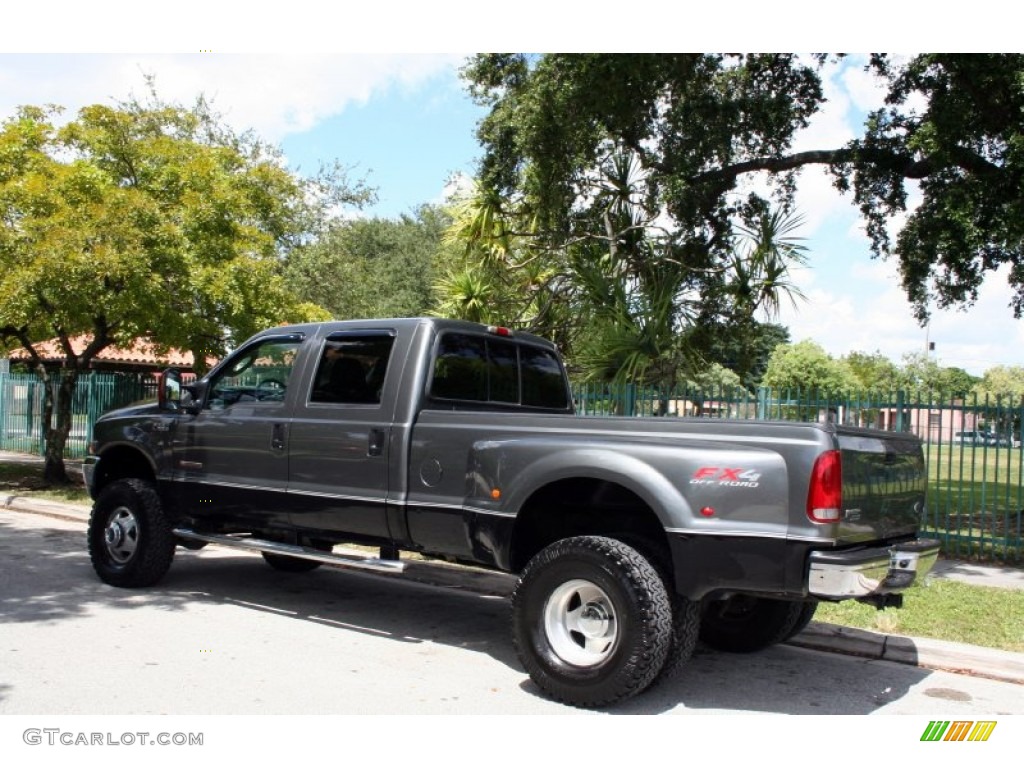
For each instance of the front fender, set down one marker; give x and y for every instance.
(130, 447)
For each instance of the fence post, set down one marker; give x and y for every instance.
(3, 408)
(763, 395)
(30, 387)
(900, 402)
(91, 408)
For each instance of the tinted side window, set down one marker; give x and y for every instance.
(258, 374)
(352, 368)
(503, 366)
(485, 370)
(543, 383)
(460, 370)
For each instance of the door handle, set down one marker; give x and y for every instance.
(277, 438)
(376, 445)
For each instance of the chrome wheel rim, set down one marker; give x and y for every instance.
(581, 624)
(121, 535)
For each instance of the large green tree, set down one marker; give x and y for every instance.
(806, 367)
(373, 267)
(1002, 382)
(635, 168)
(875, 372)
(952, 125)
(146, 220)
(587, 157)
(922, 373)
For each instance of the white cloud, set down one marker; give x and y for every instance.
(869, 312)
(865, 90)
(832, 127)
(276, 95)
(457, 185)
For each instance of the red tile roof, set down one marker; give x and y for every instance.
(142, 352)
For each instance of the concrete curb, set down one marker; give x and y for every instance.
(913, 651)
(56, 509)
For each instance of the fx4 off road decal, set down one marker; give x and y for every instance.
(731, 477)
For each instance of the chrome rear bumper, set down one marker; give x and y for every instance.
(870, 571)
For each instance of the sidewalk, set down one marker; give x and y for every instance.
(919, 652)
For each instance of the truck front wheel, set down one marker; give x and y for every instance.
(744, 623)
(130, 539)
(592, 623)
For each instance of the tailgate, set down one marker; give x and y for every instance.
(884, 480)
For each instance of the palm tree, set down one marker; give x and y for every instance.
(759, 278)
(760, 270)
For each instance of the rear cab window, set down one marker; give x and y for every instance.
(478, 370)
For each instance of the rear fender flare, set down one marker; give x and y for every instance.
(531, 469)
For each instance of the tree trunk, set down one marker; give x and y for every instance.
(57, 430)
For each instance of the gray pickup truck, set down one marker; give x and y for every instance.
(632, 538)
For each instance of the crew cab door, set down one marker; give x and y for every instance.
(340, 439)
(232, 456)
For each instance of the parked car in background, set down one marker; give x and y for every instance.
(978, 437)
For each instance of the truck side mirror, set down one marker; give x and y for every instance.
(169, 390)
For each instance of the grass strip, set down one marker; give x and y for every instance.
(27, 480)
(944, 609)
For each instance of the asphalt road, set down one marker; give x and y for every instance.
(226, 634)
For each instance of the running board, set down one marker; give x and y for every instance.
(294, 550)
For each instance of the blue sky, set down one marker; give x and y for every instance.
(405, 141)
(404, 122)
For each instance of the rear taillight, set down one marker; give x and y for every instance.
(825, 496)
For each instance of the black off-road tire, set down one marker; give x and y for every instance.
(744, 623)
(808, 607)
(685, 633)
(592, 622)
(131, 543)
(685, 612)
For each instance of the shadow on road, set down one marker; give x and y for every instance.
(46, 577)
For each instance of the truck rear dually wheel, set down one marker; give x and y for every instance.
(744, 623)
(592, 623)
(130, 539)
(807, 611)
(685, 630)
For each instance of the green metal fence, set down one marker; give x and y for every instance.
(21, 407)
(972, 445)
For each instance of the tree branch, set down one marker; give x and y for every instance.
(100, 341)
(21, 334)
(906, 166)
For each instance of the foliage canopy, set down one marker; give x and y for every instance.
(629, 178)
(145, 220)
(372, 267)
